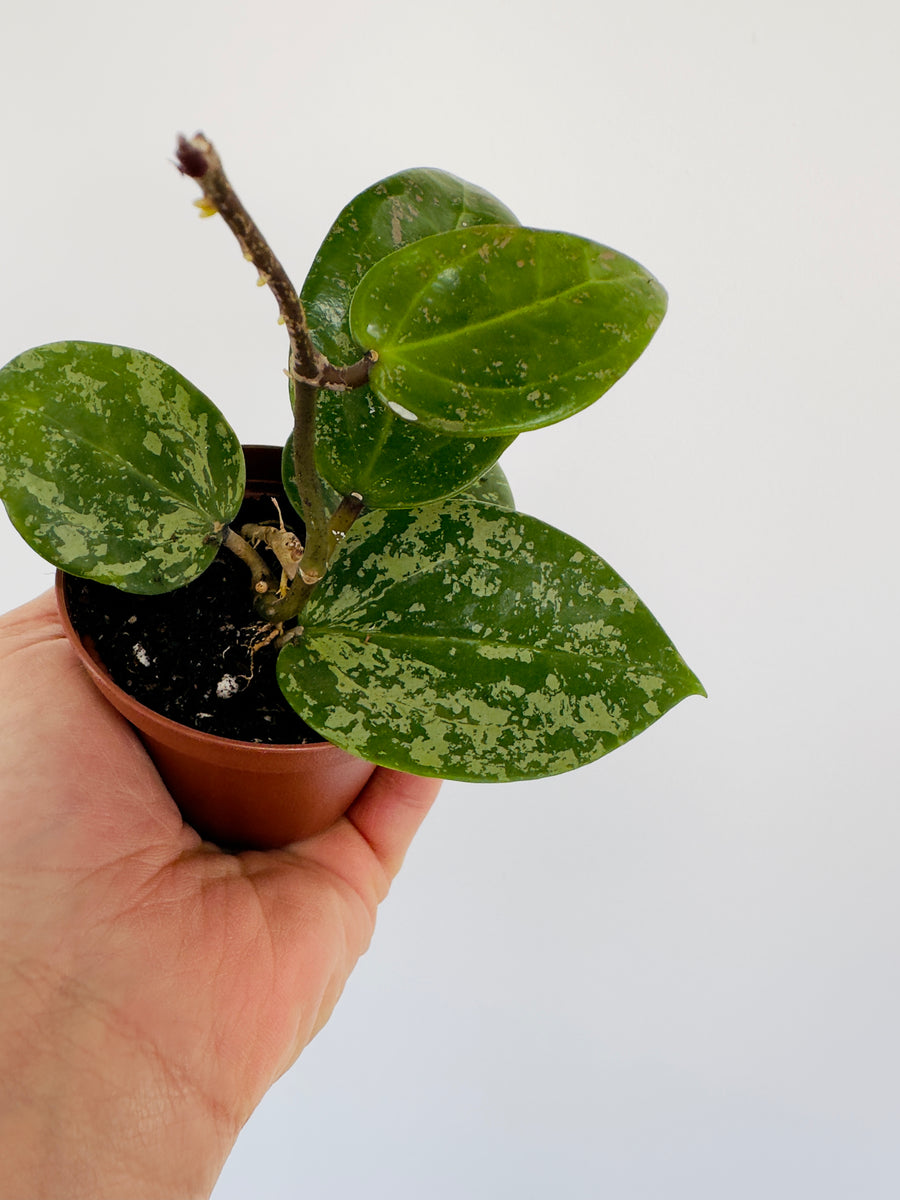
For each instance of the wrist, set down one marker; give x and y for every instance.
(52, 1153)
(87, 1115)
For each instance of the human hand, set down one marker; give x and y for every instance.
(152, 987)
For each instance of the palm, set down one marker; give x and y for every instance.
(200, 975)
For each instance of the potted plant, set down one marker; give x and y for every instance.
(409, 614)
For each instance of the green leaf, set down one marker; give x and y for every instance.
(495, 330)
(113, 466)
(391, 214)
(361, 446)
(465, 641)
(492, 488)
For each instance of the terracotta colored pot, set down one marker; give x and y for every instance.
(238, 794)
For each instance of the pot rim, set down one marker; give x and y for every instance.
(260, 462)
(162, 726)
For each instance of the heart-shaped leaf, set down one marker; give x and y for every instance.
(494, 330)
(465, 641)
(361, 446)
(113, 466)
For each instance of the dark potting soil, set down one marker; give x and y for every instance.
(189, 654)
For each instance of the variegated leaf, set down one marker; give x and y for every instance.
(113, 466)
(465, 641)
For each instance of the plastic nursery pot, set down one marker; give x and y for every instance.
(241, 795)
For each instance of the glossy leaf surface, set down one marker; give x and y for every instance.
(465, 641)
(362, 446)
(499, 329)
(113, 466)
(492, 488)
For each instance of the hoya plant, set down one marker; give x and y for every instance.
(423, 623)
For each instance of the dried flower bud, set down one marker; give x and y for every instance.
(191, 159)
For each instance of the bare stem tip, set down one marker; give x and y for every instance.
(190, 155)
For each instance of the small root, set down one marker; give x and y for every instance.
(274, 632)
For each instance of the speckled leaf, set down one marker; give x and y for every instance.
(492, 488)
(361, 445)
(397, 211)
(499, 329)
(465, 641)
(113, 466)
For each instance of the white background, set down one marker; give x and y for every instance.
(674, 973)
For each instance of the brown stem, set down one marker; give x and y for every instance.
(315, 558)
(277, 611)
(284, 544)
(309, 370)
(342, 379)
(263, 580)
(199, 159)
(342, 519)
